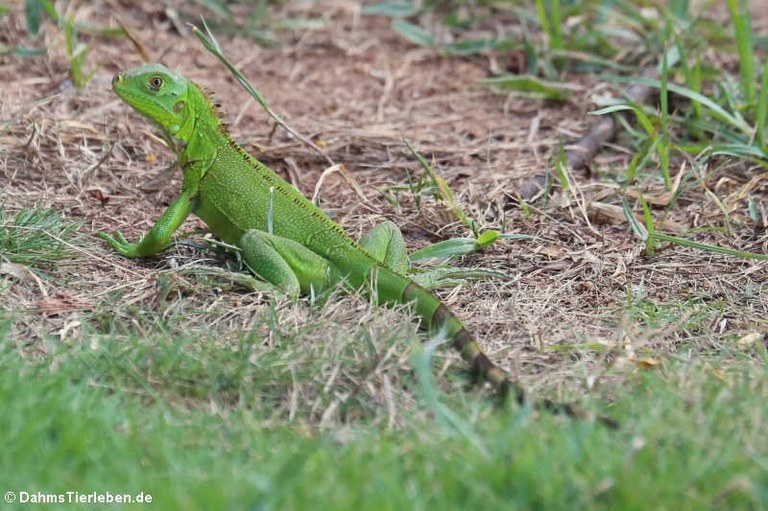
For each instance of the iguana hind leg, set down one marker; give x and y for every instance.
(289, 265)
(385, 242)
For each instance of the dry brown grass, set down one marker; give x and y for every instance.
(357, 89)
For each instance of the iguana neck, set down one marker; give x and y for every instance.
(202, 131)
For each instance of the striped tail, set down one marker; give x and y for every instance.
(393, 287)
(437, 317)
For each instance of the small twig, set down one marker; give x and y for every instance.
(580, 153)
(90, 170)
(341, 169)
(143, 53)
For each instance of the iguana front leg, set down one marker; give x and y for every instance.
(159, 236)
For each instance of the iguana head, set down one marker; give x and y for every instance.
(158, 93)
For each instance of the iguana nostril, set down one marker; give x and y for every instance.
(117, 78)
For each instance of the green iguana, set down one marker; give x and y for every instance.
(283, 237)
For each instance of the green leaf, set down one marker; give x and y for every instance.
(531, 86)
(393, 9)
(24, 52)
(33, 11)
(445, 249)
(413, 33)
(487, 238)
(470, 46)
(716, 110)
(642, 118)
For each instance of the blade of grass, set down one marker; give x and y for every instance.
(448, 419)
(637, 227)
(640, 159)
(561, 171)
(551, 22)
(762, 110)
(716, 110)
(642, 117)
(391, 9)
(740, 151)
(644, 235)
(709, 248)
(664, 142)
(693, 81)
(556, 39)
(530, 86)
(413, 33)
(33, 13)
(650, 227)
(210, 44)
(446, 195)
(744, 43)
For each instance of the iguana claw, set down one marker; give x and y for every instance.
(120, 244)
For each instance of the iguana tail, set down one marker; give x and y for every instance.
(437, 317)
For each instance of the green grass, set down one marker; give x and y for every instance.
(35, 237)
(111, 418)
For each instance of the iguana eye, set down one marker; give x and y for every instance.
(155, 83)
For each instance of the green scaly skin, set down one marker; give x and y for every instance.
(304, 250)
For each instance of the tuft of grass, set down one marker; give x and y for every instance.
(550, 20)
(35, 237)
(276, 360)
(78, 54)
